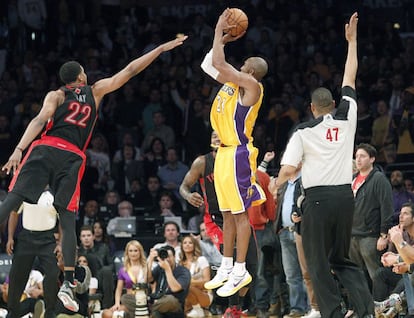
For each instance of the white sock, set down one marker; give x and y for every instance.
(227, 263)
(197, 306)
(239, 268)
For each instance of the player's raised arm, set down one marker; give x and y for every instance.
(110, 84)
(351, 64)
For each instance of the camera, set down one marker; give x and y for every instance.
(162, 254)
(140, 286)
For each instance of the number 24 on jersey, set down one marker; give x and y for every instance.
(332, 134)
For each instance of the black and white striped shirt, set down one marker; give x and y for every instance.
(325, 145)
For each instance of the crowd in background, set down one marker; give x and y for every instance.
(159, 122)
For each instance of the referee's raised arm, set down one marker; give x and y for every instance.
(351, 64)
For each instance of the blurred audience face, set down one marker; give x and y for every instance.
(112, 198)
(166, 202)
(87, 238)
(396, 179)
(91, 208)
(187, 245)
(171, 233)
(408, 185)
(203, 232)
(98, 230)
(125, 209)
(406, 217)
(153, 184)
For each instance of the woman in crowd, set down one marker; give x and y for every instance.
(198, 297)
(132, 277)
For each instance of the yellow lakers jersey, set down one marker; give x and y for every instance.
(232, 121)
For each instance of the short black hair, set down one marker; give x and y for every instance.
(69, 71)
(169, 247)
(322, 97)
(409, 205)
(173, 223)
(370, 149)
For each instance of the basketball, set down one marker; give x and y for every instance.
(240, 21)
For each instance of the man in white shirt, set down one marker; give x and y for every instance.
(36, 239)
(325, 147)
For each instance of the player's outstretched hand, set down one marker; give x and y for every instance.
(351, 28)
(179, 40)
(14, 161)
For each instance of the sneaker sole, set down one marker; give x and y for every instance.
(235, 289)
(68, 302)
(210, 285)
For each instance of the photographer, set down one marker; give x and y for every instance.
(172, 282)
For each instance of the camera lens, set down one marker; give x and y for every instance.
(162, 253)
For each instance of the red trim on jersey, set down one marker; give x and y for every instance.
(16, 173)
(61, 144)
(73, 204)
(212, 229)
(90, 134)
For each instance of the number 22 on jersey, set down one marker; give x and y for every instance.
(79, 114)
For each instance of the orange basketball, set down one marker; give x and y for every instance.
(240, 21)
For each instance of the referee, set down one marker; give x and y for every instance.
(36, 239)
(325, 147)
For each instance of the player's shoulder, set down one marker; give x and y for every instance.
(199, 163)
(57, 95)
(309, 124)
(349, 92)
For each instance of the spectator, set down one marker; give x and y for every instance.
(125, 210)
(93, 284)
(101, 263)
(373, 211)
(195, 221)
(262, 218)
(208, 249)
(127, 139)
(132, 277)
(153, 105)
(288, 195)
(154, 157)
(382, 135)
(89, 215)
(126, 170)
(136, 196)
(191, 258)
(165, 205)
(31, 295)
(408, 184)
(159, 130)
(171, 232)
(101, 237)
(399, 194)
(388, 279)
(364, 123)
(83, 277)
(151, 194)
(128, 111)
(172, 282)
(109, 208)
(98, 155)
(405, 126)
(172, 173)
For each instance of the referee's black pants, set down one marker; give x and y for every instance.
(30, 244)
(326, 234)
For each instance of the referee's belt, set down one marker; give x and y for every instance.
(288, 228)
